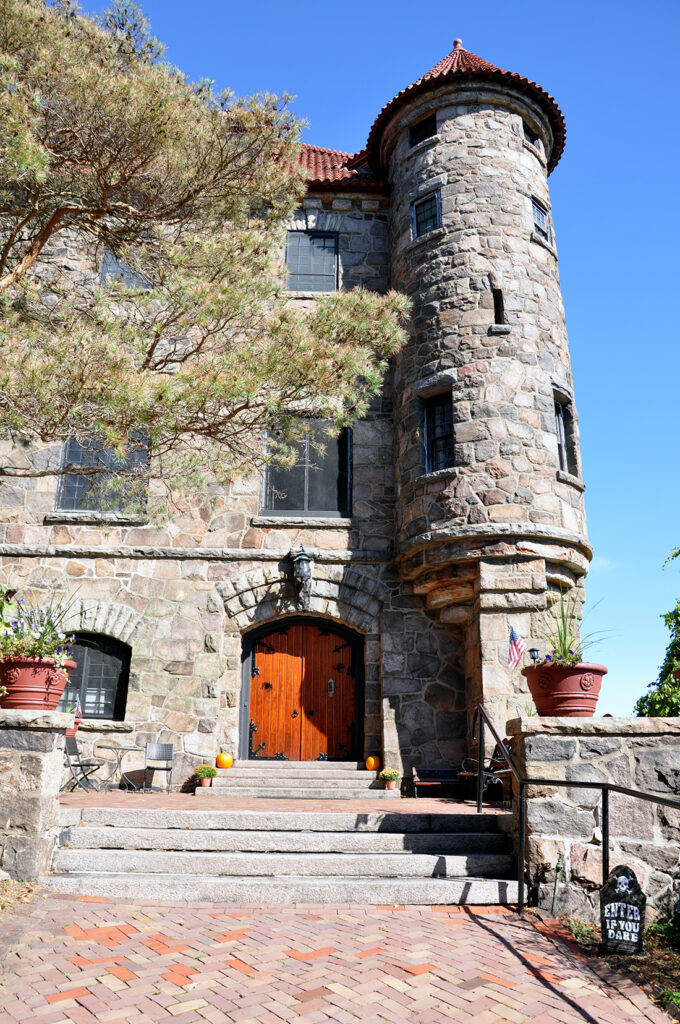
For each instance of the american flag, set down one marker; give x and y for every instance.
(79, 710)
(516, 648)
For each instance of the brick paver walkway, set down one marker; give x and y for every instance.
(94, 961)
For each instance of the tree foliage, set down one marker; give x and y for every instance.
(663, 698)
(103, 146)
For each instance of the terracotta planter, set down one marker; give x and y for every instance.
(391, 783)
(33, 683)
(565, 691)
(74, 730)
(205, 782)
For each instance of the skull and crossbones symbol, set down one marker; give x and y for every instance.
(623, 884)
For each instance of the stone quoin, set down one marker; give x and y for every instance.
(461, 508)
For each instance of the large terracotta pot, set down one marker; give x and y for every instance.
(33, 683)
(567, 691)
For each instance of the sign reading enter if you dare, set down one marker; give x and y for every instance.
(622, 912)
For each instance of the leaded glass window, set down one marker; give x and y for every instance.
(312, 261)
(541, 220)
(426, 215)
(106, 488)
(100, 678)
(318, 484)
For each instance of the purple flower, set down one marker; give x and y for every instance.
(548, 658)
(571, 652)
(59, 650)
(15, 624)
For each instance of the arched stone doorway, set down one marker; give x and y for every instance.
(302, 697)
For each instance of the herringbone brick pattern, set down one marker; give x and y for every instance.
(94, 961)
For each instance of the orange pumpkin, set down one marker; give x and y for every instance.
(224, 761)
(373, 764)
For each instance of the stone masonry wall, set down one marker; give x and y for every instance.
(31, 769)
(638, 753)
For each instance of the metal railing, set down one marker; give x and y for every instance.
(482, 720)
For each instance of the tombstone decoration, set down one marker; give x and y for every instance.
(622, 912)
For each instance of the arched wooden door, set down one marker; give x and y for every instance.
(305, 681)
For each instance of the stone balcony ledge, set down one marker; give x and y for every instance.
(537, 726)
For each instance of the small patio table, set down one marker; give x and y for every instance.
(120, 753)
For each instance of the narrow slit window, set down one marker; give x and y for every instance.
(532, 137)
(566, 443)
(498, 306)
(541, 219)
(424, 129)
(438, 432)
(426, 215)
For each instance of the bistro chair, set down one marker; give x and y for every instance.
(157, 753)
(80, 771)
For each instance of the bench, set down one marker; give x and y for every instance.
(434, 777)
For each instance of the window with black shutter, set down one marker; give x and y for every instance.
(100, 678)
(438, 432)
(318, 484)
(312, 261)
(107, 489)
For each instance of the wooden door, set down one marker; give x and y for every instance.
(303, 694)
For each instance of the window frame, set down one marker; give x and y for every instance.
(530, 136)
(414, 136)
(429, 405)
(540, 214)
(414, 214)
(567, 457)
(117, 510)
(336, 261)
(344, 511)
(114, 648)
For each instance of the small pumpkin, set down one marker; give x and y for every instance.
(373, 763)
(224, 760)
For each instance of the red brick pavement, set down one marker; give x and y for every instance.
(81, 961)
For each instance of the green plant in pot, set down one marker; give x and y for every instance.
(562, 683)
(35, 654)
(205, 773)
(390, 777)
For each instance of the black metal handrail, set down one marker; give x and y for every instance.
(479, 721)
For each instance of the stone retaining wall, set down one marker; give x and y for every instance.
(31, 771)
(638, 753)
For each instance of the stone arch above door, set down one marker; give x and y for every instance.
(345, 594)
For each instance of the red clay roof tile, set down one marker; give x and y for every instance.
(329, 167)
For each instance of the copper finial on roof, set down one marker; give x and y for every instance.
(458, 44)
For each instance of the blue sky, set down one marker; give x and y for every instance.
(610, 66)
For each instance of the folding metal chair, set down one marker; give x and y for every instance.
(80, 771)
(158, 752)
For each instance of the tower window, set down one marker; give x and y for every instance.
(532, 137)
(312, 261)
(100, 678)
(318, 484)
(566, 443)
(498, 306)
(426, 215)
(424, 129)
(438, 432)
(541, 219)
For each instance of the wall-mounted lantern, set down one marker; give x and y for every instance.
(303, 571)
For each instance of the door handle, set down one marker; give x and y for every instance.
(330, 685)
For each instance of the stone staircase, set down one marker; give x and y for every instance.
(283, 857)
(321, 780)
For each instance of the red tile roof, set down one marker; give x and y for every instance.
(457, 64)
(329, 168)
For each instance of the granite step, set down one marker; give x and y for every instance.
(284, 889)
(84, 837)
(292, 791)
(348, 865)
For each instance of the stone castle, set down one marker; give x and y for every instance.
(452, 512)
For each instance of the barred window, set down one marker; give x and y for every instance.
(312, 261)
(426, 215)
(100, 678)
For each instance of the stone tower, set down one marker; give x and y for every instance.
(486, 530)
